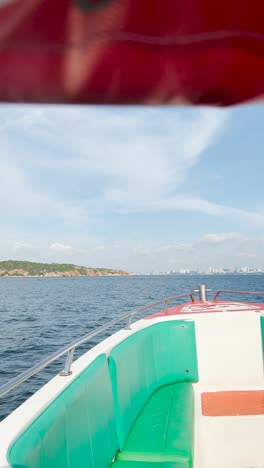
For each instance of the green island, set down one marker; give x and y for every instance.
(23, 268)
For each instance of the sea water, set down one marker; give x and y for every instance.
(40, 315)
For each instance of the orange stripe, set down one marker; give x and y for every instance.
(233, 403)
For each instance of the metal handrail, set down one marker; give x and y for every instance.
(69, 349)
(226, 291)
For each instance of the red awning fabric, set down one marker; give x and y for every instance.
(132, 51)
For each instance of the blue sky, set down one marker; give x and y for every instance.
(137, 188)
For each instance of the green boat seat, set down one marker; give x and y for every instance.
(163, 431)
(262, 331)
(77, 430)
(99, 413)
(133, 464)
(144, 369)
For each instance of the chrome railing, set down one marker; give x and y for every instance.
(69, 349)
(226, 291)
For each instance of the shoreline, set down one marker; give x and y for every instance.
(61, 276)
(186, 275)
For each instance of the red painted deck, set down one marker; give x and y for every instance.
(199, 307)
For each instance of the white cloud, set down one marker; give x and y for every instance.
(60, 247)
(189, 203)
(213, 249)
(218, 249)
(155, 166)
(131, 161)
(222, 237)
(62, 169)
(22, 245)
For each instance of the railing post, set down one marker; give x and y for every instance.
(128, 324)
(165, 306)
(202, 292)
(67, 367)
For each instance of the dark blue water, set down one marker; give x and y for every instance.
(40, 315)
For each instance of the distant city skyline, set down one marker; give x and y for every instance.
(132, 188)
(210, 271)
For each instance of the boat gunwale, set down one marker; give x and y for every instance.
(69, 349)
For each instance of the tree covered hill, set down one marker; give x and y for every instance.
(24, 268)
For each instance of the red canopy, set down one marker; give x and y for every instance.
(132, 51)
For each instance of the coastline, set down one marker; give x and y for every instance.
(64, 276)
(26, 269)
